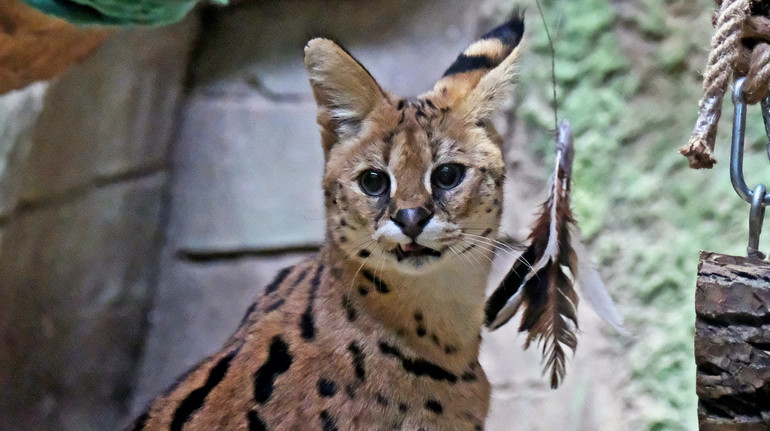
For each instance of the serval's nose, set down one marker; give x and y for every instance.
(412, 220)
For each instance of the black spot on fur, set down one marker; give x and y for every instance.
(401, 104)
(350, 311)
(418, 316)
(328, 422)
(450, 349)
(428, 101)
(358, 360)
(389, 137)
(434, 406)
(351, 391)
(478, 427)
(421, 331)
(255, 422)
(468, 376)
(489, 210)
(343, 222)
(435, 339)
(326, 388)
(278, 362)
(194, 400)
(376, 281)
(418, 367)
(364, 253)
(343, 238)
(276, 283)
(381, 399)
(402, 407)
(363, 290)
(307, 321)
(486, 232)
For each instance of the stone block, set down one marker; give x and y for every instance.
(406, 45)
(75, 289)
(198, 306)
(247, 176)
(112, 114)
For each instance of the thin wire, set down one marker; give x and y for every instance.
(553, 67)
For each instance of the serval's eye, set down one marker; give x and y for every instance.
(448, 176)
(373, 183)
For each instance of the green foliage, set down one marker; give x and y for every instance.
(628, 78)
(118, 12)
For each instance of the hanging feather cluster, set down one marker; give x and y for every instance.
(542, 279)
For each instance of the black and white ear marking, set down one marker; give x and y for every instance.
(491, 49)
(482, 76)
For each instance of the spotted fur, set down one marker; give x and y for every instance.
(381, 330)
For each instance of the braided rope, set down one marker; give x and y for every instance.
(732, 14)
(757, 79)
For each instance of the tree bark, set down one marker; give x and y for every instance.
(732, 343)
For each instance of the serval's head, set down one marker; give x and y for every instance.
(414, 184)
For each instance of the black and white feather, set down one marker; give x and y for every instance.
(542, 279)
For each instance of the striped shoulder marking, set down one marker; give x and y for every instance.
(282, 300)
(276, 283)
(195, 399)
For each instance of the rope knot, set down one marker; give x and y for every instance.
(740, 45)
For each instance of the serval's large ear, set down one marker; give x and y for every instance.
(344, 90)
(482, 76)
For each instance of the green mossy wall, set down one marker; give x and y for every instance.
(628, 78)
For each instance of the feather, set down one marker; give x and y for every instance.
(592, 287)
(541, 281)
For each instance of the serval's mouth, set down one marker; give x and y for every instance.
(414, 250)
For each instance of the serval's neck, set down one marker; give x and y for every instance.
(439, 314)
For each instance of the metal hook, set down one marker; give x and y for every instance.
(758, 198)
(756, 217)
(736, 151)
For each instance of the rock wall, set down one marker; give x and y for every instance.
(149, 194)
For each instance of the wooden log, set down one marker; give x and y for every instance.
(732, 343)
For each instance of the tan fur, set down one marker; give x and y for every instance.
(355, 339)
